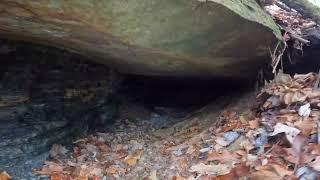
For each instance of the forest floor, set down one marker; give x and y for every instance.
(272, 136)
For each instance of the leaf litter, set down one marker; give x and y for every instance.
(277, 140)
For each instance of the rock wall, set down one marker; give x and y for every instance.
(48, 96)
(150, 37)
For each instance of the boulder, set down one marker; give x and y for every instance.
(149, 37)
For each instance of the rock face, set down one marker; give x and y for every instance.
(149, 37)
(49, 97)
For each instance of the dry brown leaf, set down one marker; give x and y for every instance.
(240, 171)
(294, 97)
(247, 145)
(61, 177)
(302, 158)
(254, 124)
(223, 157)
(165, 150)
(273, 171)
(299, 143)
(82, 171)
(281, 170)
(178, 178)
(193, 151)
(265, 174)
(132, 160)
(189, 132)
(115, 170)
(183, 164)
(96, 171)
(203, 169)
(228, 114)
(5, 176)
(306, 126)
(51, 167)
(120, 154)
(231, 126)
(314, 149)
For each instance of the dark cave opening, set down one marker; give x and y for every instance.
(52, 96)
(178, 92)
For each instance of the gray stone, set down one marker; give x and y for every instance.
(150, 37)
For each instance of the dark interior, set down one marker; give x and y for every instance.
(53, 96)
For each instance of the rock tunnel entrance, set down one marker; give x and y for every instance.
(51, 96)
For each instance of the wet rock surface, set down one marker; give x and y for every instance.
(47, 97)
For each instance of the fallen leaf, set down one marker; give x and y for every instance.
(306, 126)
(314, 149)
(238, 172)
(228, 114)
(246, 145)
(96, 171)
(60, 176)
(295, 96)
(254, 124)
(299, 143)
(231, 126)
(220, 169)
(223, 157)
(5, 176)
(165, 150)
(183, 164)
(265, 174)
(290, 132)
(295, 158)
(50, 167)
(305, 110)
(115, 170)
(281, 170)
(273, 171)
(132, 160)
(178, 178)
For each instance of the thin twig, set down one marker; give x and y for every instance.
(293, 35)
(269, 150)
(276, 58)
(276, 48)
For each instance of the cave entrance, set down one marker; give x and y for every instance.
(50, 96)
